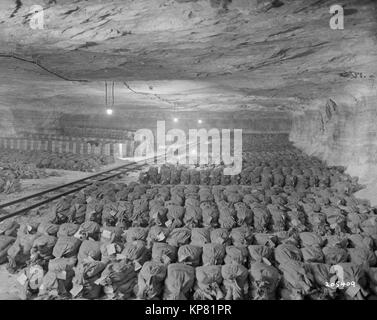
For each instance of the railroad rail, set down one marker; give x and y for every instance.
(43, 197)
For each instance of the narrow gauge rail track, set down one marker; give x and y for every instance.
(40, 198)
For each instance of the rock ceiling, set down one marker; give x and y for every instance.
(262, 56)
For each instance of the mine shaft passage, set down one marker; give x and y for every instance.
(200, 150)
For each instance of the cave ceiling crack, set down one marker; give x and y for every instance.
(173, 104)
(35, 62)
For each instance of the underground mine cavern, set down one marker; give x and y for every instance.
(188, 150)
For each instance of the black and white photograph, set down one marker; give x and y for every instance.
(186, 154)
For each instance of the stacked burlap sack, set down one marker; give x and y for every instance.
(263, 240)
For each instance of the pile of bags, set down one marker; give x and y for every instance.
(90, 261)
(288, 168)
(16, 164)
(29, 164)
(279, 235)
(71, 161)
(9, 183)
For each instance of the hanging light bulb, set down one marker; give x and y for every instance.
(109, 111)
(200, 121)
(175, 119)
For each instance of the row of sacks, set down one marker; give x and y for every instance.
(178, 281)
(11, 174)
(307, 245)
(257, 175)
(263, 176)
(37, 246)
(274, 209)
(28, 164)
(289, 157)
(119, 279)
(295, 165)
(22, 170)
(122, 278)
(38, 243)
(262, 281)
(71, 161)
(136, 191)
(18, 164)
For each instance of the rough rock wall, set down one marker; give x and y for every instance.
(15, 122)
(343, 131)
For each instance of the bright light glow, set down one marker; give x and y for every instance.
(175, 119)
(193, 151)
(109, 112)
(200, 121)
